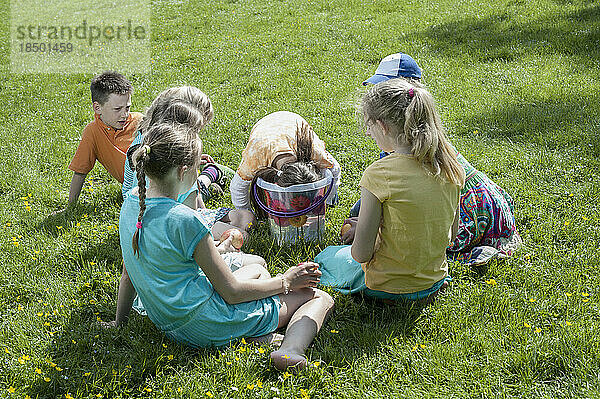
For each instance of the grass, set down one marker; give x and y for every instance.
(517, 86)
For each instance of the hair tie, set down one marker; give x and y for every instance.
(138, 225)
(411, 92)
(147, 148)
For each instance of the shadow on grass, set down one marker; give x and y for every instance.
(500, 38)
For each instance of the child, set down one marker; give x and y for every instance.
(189, 291)
(409, 209)
(188, 106)
(109, 135)
(272, 143)
(487, 226)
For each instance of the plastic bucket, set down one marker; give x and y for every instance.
(295, 212)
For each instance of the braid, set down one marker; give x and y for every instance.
(141, 175)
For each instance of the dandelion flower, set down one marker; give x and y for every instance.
(250, 387)
(209, 394)
(261, 350)
(164, 346)
(334, 331)
(527, 325)
(304, 394)
(538, 330)
(58, 368)
(68, 396)
(491, 281)
(532, 299)
(11, 389)
(568, 323)
(585, 294)
(99, 395)
(586, 299)
(59, 227)
(170, 357)
(87, 374)
(47, 379)
(38, 371)
(568, 294)
(285, 356)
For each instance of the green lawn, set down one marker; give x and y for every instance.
(517, 84)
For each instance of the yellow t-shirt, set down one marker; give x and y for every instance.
(273, 135)
(417, 214)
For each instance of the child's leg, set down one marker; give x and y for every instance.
(304, 312)
(251, 272)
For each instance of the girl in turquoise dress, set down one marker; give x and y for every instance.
(188, 290)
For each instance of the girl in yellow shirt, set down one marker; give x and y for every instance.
(409, 210)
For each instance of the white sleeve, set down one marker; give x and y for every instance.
(240, 192)
(336, 170)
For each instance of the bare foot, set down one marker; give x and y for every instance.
(293, 362)
(272, 339)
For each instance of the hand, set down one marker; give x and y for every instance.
(108, 324)
(306, 274)
(226, 245)
(205, 158)
(348, 236)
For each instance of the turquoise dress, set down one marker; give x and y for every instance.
(178, 297)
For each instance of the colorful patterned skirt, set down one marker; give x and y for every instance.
(487, 227)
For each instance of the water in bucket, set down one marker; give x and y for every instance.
(295, 212)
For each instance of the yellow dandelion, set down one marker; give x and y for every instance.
(285, 357)
(228, 363)
(475, 131)
(527, 325)
(20, 307)
(21, 360)
(317, 363)
(538, 330)
(11, 389)
(334, 331)
(259, 384)
(568, 323)
(87, 374)
(287, 375)
(304, 394)
(170, 357)
(585, 218)
(47, 379)
(6, 350)
(92, 263)
(243, 341)
(77, 224)
(99, 395)
(59, 227)
(148, 389)
(209, 394)
(164, 346)
(68, 396)
(422, 346)
(27, 397)
(568, 294)
(567, 222)
(250, 387)
(491, 281)
(414, 348)
(261, 350)
(585, 294)
(58, 368)
(242, 349)
(532, 299)
(38, 371)
(179, 389)
(586, 300)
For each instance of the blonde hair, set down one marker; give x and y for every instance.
(408, 110)
(184, 105)
(164, 147)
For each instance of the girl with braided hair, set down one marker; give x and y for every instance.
(186, 285)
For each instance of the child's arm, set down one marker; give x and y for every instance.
(454, 230)
(76, 185)
(235, 290)
(240, 192)
(125, 298)
(369, 219)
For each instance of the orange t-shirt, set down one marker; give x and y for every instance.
(105, 144)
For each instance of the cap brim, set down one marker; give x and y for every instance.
(376, 79)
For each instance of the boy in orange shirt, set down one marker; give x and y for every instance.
(109, 135)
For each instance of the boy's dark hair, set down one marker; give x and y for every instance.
(108, 83)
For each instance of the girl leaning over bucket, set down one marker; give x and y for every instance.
(189, 292)
(273, 145)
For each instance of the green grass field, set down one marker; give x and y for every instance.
(517, 84)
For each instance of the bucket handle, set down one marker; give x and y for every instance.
(301, 212)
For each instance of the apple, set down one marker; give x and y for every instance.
(238, 239)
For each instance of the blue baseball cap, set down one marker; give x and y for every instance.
(395, 66)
